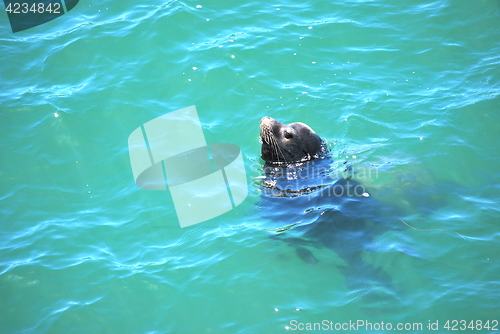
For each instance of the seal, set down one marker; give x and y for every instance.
(288, 143)
(318, 204)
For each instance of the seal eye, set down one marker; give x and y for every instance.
(288, 135)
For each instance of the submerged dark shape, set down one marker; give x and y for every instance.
(321, 208)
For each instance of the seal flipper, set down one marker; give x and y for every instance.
(306, 255)
(303, 253)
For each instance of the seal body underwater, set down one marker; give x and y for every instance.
(316, 207)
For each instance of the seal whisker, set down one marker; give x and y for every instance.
(277, 147)
(273, 143)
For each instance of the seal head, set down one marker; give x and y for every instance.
(288, 143)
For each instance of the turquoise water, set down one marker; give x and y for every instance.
(410, 90)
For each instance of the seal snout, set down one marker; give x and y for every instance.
(266, 125)
(267, 121)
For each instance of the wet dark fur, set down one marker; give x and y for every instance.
(284, 143)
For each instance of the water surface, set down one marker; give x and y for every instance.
(408, 89)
